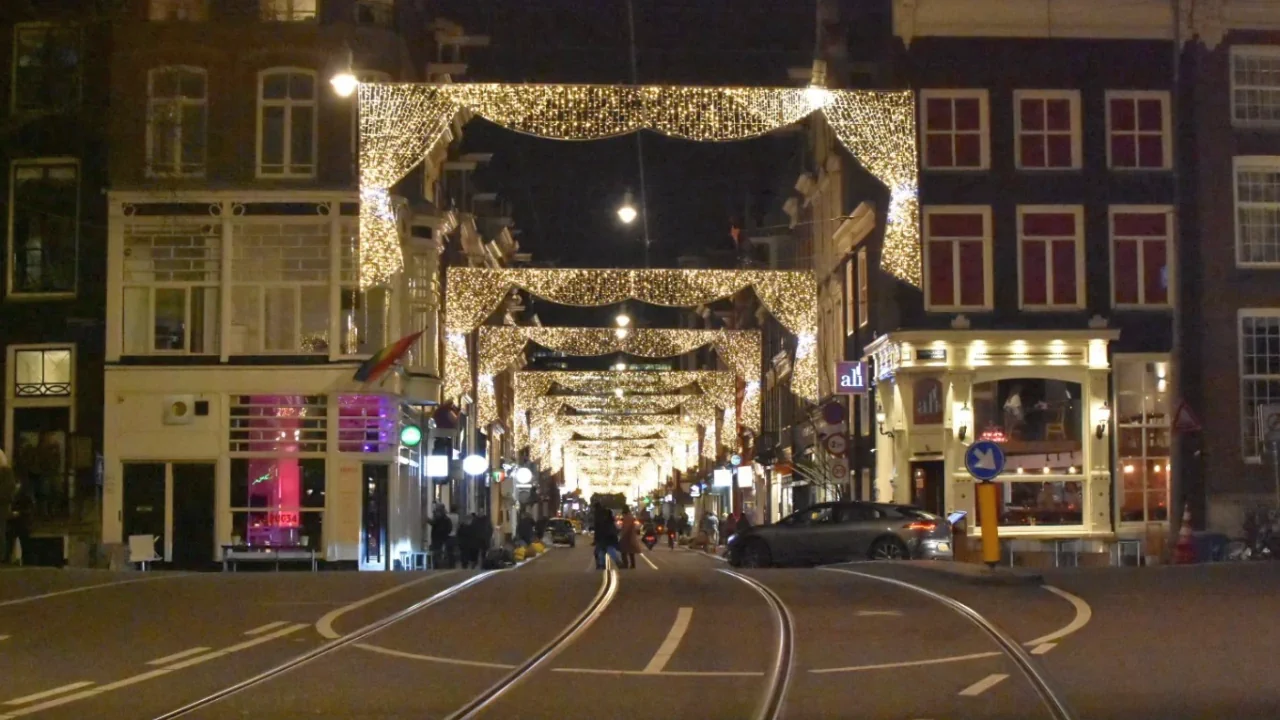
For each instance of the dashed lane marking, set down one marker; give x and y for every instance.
(984, 685)
(266, 628)
(151, 674)
(49, 693)
(86, 588)
(669, 646)
(1043, 648)
(178, 656)
(646, 559)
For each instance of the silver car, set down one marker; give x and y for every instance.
(843, 531)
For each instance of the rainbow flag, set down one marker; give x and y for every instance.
(378, 363)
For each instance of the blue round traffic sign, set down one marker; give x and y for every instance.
(984, 460)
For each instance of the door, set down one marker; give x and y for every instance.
(860, 525)
(809, 540)
(144, 501)
(927, 490)
(193, 513)
(373, 503)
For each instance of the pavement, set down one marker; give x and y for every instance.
(681, 635)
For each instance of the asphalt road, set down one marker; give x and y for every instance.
(679, 636)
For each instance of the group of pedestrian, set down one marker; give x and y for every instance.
(458, 541)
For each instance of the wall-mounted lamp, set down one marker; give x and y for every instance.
(880, 419)
(963, 420)
(1104, 418)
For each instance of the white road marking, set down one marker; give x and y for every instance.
(1083, 615)
(905, 664)
(664, 673)
(4, 637)
(86, 588)
(49, 693)
(1042, 649)
(646, 559)
(433, 658)
(879, 613)
(983, 685)
(177, 656)
(669, 646)
(152, 674)
(324, 625)
(265, 628)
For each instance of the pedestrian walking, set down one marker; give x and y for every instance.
(467, 540)
(441, 529)
(629, 541)
(451, 542)
(605, 534)
(8, 493)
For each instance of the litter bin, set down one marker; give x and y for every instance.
(1209, 546)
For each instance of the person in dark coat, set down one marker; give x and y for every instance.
(482, 534)
(441, 529)
(525, 528)
(605, 532)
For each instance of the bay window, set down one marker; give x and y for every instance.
(1051, 257)
(1141, 243)
(957, 257)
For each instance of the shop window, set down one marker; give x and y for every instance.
(1051, 257)
(1048, 129)
(1259, 374)
(955, 129)
(278, 501)
(1141, 240)
(1032, 502)
(1255, 86)
(1138, 134)
(46, 67)
(366, 424)
(288, 424)
(1039, 423)
(42, 373)
(1142, 421)
(957, 256)
(1258, 211)
(44, 227)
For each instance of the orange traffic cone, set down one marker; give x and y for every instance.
(1184, 553)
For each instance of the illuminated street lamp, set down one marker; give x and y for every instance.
(627, 211)
(345, 82)
(623, 319)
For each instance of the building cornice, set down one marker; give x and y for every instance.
(1208, 20)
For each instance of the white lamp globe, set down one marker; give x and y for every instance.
(474, 464)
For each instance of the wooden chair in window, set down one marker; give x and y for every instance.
(1056, 427)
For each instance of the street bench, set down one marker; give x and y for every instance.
(234, 554)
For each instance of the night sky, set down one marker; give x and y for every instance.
(564, 194)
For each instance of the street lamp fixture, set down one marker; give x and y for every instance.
(1104, 418)
(964, 418)
(627, 211)
(623, 320)
(881, 417)
(345, 82)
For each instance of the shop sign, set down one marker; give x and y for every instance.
(928, 402)
(851, 378)
(931, 354)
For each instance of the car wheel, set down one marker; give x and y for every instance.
(889, 549)
(756, 555)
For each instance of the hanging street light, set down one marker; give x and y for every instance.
(627, 211)
(345, 82)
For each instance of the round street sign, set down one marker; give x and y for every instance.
(833, 413)
(984, 460)
(836, 444)
(735, 460)
(839, 470)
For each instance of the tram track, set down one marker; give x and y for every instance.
(779, 675)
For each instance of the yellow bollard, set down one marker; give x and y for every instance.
(989, 521)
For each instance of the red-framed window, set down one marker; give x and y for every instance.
(1051, 257)
(1138, 130)
(1141, 251)
(957, 252)
(1047, 129)
(954, 126)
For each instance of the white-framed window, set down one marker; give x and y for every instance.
(288, 10)
(280, 299)
(178, 10)
(1259, 374)
(172, 274)
(1047, 129)
(864, 289)
(1141, 255)
(46, 67)
(42, 372)
(287, 123)
(957, 257)
(1257, 196)
(44, 227)
(1051, 257)
(1139, 130)
(1142, 418)
(375, 12)
(1255, 85)
(177, 121)
(954, 128)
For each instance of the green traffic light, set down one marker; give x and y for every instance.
(410, 436)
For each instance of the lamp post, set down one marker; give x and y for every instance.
(344, 81)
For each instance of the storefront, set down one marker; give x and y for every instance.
(298, 456)
(1045, 396)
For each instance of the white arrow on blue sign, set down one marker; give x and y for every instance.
(984, 460)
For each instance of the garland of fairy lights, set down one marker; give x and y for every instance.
(401, 123)
(475, 293)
